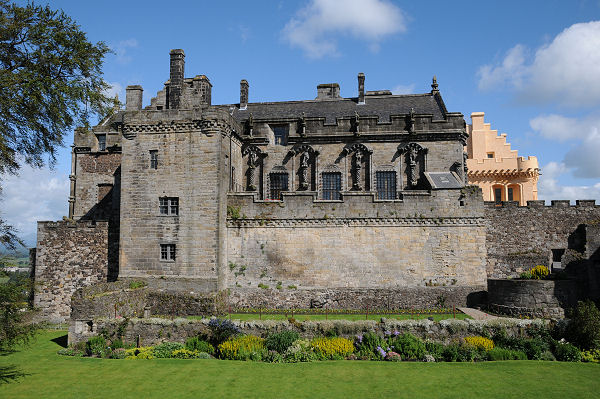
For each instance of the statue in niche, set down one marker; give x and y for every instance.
(411, 126)
(252, 164)
(413, 153)
(303, 125)
(356, 170)
(251, 125)
(356, 124)
(304, 158)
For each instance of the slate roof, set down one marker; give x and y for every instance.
(381, 106)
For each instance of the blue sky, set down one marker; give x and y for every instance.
(531, 66)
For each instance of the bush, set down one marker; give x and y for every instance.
(480, 343)
(300, 351)
(539, 272)
(496, 354)
(241, 348)
(118, 353)
(332, 348)
(451, 353)
(591, 356)
(533, 347)
(164, 350)
(221, 330)
(197, 344)
(547, 356)
(584, 327)
(143, 352)
(409, 347)
(272, 357)
(280, 342)
(96, 346)
(434, 349)
(71, 351)
(567, 353)
(461, 353)
(367, 344)
(184, 353)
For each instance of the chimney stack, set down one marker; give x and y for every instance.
(361, 88)
(133, 98)
(176, 77)
(243, 94)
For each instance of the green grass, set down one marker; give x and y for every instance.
(54, 376)
(352, 317)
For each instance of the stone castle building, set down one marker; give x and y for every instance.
(337, 201)
(500, 172)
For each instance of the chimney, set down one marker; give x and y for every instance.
(133, 98)
(361, 88)
(243, 94)
(176, 77)
(328, 91)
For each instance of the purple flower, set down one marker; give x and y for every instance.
(396, 333)
(387, 333)
(381, 351)
(359, 338)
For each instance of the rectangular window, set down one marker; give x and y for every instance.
(332, 185)
(168, 206)
(153, 159)
(101, 142)
(498, 195)
(510, 194)
(167, 251)
(279, 183)
(281, 135)
(386, 185)
(490, 155)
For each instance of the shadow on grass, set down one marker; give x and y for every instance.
(9, 374)
(61, 341)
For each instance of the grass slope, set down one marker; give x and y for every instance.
(54, 376)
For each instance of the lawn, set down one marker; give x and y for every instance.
(352, 317)
(54, 376)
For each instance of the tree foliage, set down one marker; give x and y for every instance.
(50, 81)
(15, 313)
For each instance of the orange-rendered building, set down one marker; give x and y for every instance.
(496, 168)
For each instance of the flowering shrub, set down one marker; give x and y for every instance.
(591, 356)
(331, 348)
(367, 344)
(539, 272)
(96, 346)
(480, 343)
(496, 354)
(300, 351)
(566, 352)
(241, 348)
(393, 357)
(222, 329)
(164, 350)
(143, 352)
(188, 354)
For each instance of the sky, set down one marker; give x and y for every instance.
(532, 66)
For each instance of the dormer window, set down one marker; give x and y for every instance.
(281, 134)
(101, 142)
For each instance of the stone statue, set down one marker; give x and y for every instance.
(356, 171)
(413, 153)
(304, 158)
(252, 164)
(356, 124)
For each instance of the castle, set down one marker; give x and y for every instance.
(336, 201)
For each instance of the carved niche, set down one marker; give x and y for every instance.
(254, 163)
(414, 155)
(307, 166)
(359, 162)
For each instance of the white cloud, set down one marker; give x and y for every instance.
(404, 89)
(315, 27)
(116, 89)
(564, 71)
(121, 50)
(549, 187)
(34, 194)
(582, 159)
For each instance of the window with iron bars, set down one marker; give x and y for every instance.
(153, 159)
(101, 142)
(332, 185)
(167, 251)
(281, 134)
(386, 185)
(169, 206)
(278, 184)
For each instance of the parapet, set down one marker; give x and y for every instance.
(542, 204)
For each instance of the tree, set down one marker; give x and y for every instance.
(50, 81)
(15, 314)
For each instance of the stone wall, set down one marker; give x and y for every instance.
(428, 240)
(358, 298)
(518, 238)
(532, 298)
(152, 331)
(69, 256)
